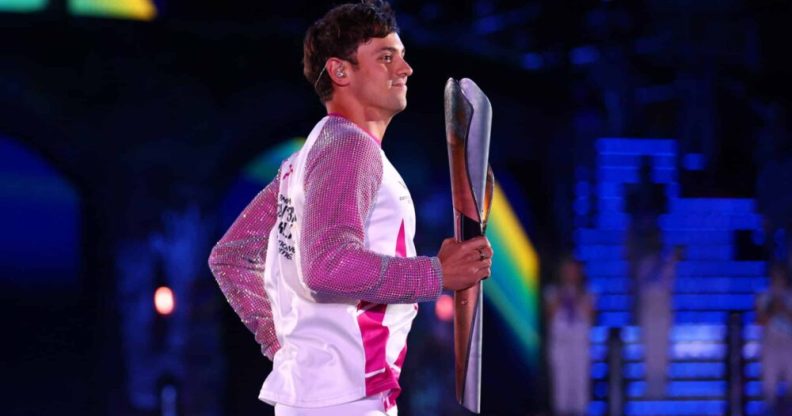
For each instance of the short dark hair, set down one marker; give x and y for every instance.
(339, 33)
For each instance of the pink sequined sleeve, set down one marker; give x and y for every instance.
(237, 262)
(342, 176)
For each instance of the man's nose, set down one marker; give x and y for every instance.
(406, 70)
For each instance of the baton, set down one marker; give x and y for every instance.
(468, 119)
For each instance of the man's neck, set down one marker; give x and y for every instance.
(371, 121)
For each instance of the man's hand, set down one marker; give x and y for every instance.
(464, 263)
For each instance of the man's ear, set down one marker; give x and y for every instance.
(338, 71)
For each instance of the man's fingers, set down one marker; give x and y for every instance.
(476, 243)
(466, 262)
(477, 248)
(479, 272)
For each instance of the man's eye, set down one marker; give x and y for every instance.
(387, 58)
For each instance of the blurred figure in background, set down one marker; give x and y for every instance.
(774, 314)
(569, 308)
(656, 273)
(644, 203)
(651, 271)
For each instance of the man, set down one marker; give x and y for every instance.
(774, 314)
(321, 265)
(569, 308)
(656, 274)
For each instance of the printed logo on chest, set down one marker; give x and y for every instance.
(404, 193)
(286, 219)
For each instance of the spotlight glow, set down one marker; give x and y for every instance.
(22, 6)
(514, 286)
(444, 308)
(164, 301)
(122, 9)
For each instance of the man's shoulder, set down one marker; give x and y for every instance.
(339, 134)
(339, 127)
(341, 147)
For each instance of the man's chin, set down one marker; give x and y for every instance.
(398, 108)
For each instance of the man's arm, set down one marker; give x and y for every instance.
(237, 262)
(342, 177)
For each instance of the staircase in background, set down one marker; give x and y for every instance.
(710, 283)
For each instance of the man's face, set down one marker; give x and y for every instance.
(379, 81)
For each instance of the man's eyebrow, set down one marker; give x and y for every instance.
(392, 49)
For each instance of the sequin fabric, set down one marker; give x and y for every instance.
(343, 173)
(237, 262)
